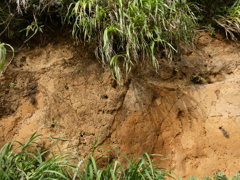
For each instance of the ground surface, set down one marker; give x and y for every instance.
(61, 90)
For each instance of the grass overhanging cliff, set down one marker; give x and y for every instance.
(124, 33)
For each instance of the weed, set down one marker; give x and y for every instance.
(35, 26)
(54, 123)
(3, 54)
(66, 86)
(11, 85)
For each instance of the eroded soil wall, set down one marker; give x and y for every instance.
(62, 91)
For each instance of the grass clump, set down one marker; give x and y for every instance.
(231, 21)
(140, 169)
(31, 162)
(124, 32)
(220, 176)
(221, 14)
(34, 162)
(217, 176)
(127, 31)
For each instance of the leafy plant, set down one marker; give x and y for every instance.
(35, 26)
(28, 15)
(3, 54)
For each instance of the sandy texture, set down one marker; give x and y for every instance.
(62, 91)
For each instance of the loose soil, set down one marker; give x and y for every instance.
(61, 90)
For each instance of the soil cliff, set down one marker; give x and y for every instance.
(62, 91)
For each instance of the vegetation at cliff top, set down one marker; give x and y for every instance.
(124, 33)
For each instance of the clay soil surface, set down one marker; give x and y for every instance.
(59, 89)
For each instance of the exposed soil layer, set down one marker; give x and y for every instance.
(62, 91)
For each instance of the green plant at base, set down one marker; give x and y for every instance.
(34, 162)
(140, 169)
(217, 176)
(192, 178)
(3, 54)
(207, 177)
(236, 176)
(220, 176)
(31, 162)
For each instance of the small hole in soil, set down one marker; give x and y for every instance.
(105, 97)
(114, 84)
(23, 59)
(179, 113)
(154, 97)
(52, 125)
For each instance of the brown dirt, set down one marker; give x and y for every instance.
(61, 90)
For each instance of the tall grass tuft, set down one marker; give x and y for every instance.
(139, 169)
(34, 162)
(231, 21)
(127, 31)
